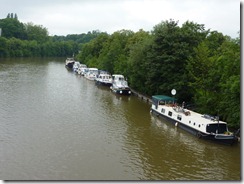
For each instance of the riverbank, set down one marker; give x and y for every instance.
(141, 96)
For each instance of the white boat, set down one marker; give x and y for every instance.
(120, 85)
(69, 62)
(81, 69)
(76, 65)
(104, 79)
(202, 126)
(91, 74)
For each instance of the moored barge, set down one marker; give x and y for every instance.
(201, 125)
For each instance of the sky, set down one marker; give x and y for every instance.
(62, 17)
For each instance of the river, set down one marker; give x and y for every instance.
(56, 125)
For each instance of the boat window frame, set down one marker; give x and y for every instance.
(179, 117)
(170, 113)
(212, 128)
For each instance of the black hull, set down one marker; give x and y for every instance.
(122, 91)
(69, 66)
(103, 83)
(219, 139)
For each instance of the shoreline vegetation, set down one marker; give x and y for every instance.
(202, 65)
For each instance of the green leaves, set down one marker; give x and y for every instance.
(12, 28)
(214, 73)
(36, 32)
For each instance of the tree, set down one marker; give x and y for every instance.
(15, 47)
(3, 47)
(12, 28)
(214, 76)
(36, 32)
(229, 71)
(15, 16)
(139, 45)
(167, 57)
(114, 54)
(91, 51)
(201, 80)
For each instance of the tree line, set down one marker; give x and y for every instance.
(202, 65)
(19, 39)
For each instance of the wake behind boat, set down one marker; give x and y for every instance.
(202, 126)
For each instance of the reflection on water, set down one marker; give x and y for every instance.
(56, 125)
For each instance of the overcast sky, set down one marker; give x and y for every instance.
(62, 17)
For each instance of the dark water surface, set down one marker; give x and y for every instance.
(56, 125)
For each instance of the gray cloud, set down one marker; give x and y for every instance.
(63, 17)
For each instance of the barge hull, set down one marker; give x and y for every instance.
(222, 140)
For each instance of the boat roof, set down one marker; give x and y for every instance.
(118, 75)
(194, 117)
(93, 69)
(83, 65)
(163, 98)
(104, 74)
(70, 59)
(201, 118)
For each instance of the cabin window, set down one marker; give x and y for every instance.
(154, 101)
(179, 117)
(170, 113)
(163, 110)
(214, 127)
(199, 126)
(194, 123)
(161, 102)
(189, 122)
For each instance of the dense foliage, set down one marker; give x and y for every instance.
(24, 40)
(202, 65)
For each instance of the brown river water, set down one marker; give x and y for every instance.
(57, 125)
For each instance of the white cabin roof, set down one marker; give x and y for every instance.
(104, 74)
(194, 116)
(93, 69)
(118, 76)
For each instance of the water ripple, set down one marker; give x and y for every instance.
(56, 125)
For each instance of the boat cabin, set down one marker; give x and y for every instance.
(163, 100)
(198, 124)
